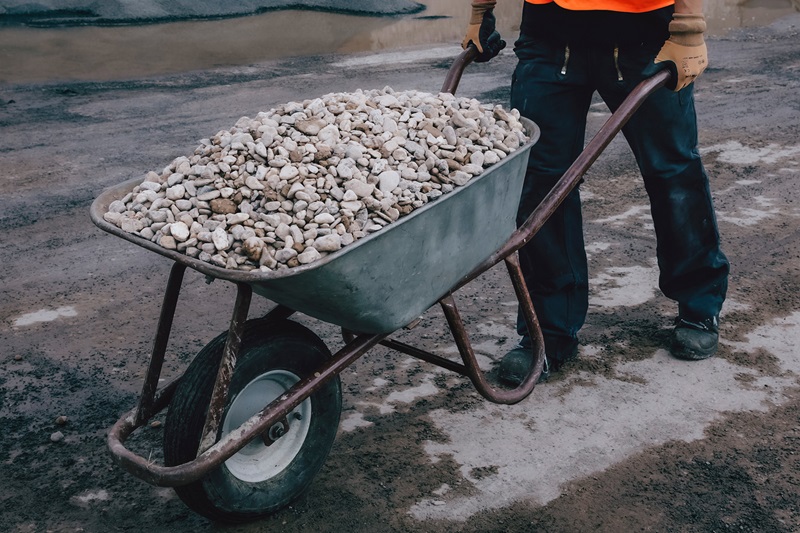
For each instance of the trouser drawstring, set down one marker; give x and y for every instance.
(566, 60)
(616, 63)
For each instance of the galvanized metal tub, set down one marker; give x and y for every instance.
(386, 280)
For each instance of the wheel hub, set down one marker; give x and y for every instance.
(266, 457)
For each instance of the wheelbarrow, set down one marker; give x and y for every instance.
(253, 417)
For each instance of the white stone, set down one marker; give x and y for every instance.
(361, 188)
(236, 218)
(117, 206)
(352, 206)
(328, 243)
(329, 135)
(283, 230)
(220, 238)
(150, 186)
(207, 194)
(308, 256)
(288, 172)
(285, 254)
(131, 225)
(180, 231)
(388, 180)
(176, 192)
(174, 179)
(324, 218)
(168, 242)
(157, 215)
(310, 126)
(253, 183)
(113, 218)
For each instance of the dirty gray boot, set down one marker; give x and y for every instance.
(516, 365)
(695, 340)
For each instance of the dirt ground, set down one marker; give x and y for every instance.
(624, 439)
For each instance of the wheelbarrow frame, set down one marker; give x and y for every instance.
(212, 452)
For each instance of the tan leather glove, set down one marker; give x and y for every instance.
(475, 21)
(685, 48)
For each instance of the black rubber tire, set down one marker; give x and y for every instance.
(282, 346)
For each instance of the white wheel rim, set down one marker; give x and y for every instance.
(258, 462)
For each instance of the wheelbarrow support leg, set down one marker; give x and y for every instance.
(471, 363)
(232, 344)
(528, 311)
(147, 401)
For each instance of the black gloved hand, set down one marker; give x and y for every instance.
(489, 38)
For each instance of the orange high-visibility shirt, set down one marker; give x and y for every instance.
(624, 6)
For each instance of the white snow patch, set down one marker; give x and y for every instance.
(563, 433)
(732, 305)
(780, 338)
(383, 408)
(498, 329)
(590, 351)
(353, 421)
(426, 388)
(480, 350)
(637, 211)
(441, 491)
(594, 247)
(99, 495)
(45, 315)
(736, 153)
(624, 286)
(749, 216)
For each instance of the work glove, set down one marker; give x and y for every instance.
(684, 53)
(481, 32)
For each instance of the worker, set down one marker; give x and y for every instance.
(567, 50)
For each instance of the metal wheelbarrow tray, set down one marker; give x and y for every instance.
(383, 281)
(252, 419)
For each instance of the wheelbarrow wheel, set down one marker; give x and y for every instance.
(259, 479)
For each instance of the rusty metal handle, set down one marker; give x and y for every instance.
(461, 61)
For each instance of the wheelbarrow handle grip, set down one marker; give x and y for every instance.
(461, 61)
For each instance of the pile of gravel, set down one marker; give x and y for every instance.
(306, 179)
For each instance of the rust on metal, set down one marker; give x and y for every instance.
(475, 374)
(453, 77)
(219, 396)
(254, 427)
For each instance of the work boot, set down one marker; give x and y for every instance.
(695, 340)
(516, 364)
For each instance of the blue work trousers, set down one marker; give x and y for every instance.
(553, 85)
